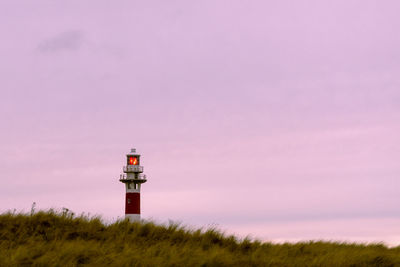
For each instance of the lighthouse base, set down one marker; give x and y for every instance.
(133, 217)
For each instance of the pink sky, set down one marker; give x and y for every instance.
(278, 119)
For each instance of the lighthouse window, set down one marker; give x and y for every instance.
(133, 161)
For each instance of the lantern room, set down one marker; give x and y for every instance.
(132, 158)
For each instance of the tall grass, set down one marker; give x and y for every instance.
(50, 238)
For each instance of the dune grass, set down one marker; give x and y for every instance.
(50, 238)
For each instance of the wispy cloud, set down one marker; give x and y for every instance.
(70, 40)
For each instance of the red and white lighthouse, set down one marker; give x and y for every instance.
(133, 178)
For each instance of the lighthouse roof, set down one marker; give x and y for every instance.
(133, 152)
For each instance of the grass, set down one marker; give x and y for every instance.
(50, 238)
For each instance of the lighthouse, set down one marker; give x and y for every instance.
(133, 178)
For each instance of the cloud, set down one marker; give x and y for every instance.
(66, 41)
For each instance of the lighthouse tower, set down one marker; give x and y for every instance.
(133, 178)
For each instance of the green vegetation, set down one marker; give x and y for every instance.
(61, 239)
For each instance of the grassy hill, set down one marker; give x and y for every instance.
(61, 239)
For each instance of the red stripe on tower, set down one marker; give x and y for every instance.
(132, 203)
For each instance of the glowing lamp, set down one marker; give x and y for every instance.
(133, 160)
